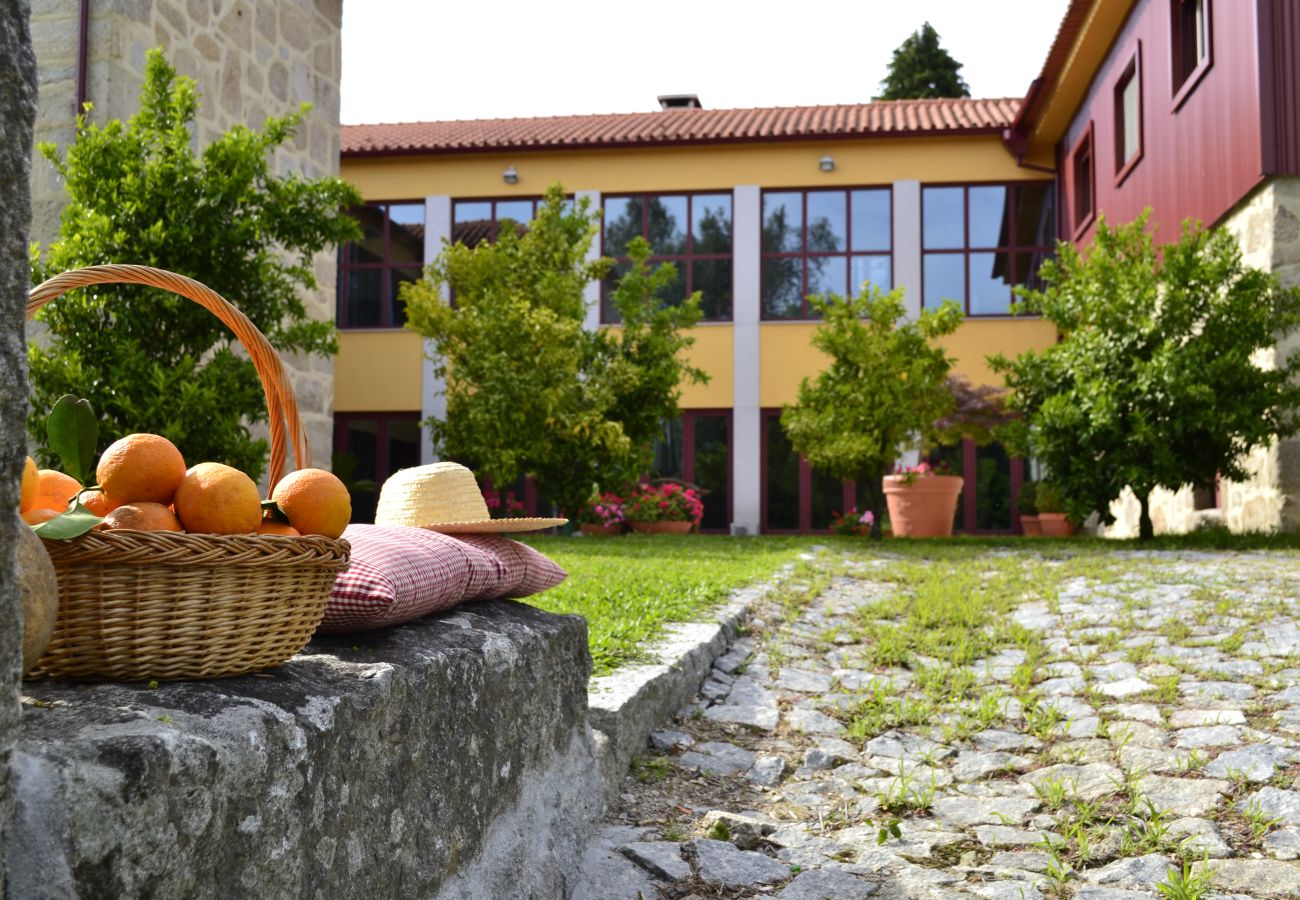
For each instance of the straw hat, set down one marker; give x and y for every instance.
(444, 497)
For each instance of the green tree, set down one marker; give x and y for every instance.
(922, 69)
(529, 391)
(1157, 381)
(138, 193)
(885, 389)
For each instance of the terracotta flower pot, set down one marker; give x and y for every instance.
(593, 530)
(1055, 525)
(661, 527)
(925, 508)
(1030, 525)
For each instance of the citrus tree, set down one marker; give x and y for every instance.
(885, 389)
(1165, 375)
(140, 193)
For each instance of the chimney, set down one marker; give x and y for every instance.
(679, 101)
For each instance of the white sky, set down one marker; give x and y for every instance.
(407, 61)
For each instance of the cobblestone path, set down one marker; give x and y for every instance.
(1106, 726)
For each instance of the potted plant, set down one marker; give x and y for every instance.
(602, 515)
(922, 500)
(1026, 503)
(665, 508)
(1051, 511)
(852, 522)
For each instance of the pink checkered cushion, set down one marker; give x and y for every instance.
(397, 574)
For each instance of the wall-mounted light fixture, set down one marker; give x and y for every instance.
(826, 163)
(510, 175)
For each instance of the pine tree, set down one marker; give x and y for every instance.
(922, 69)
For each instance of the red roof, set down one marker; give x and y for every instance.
(883, 118)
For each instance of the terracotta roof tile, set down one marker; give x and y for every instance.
(883, 118)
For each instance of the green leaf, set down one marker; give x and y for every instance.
(73, 523)
(276, 512)
(73, 430)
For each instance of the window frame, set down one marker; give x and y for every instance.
(1131, 74)
(807, 313)
(690, 418)
(383, 420)
(1080, 224)
(681, 260)
(1184, 88)
(495, 226)
(342, 306)
(1015, 249)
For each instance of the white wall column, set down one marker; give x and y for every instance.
(746, 420)
(591, 293)
(433, 401)
(907, 244)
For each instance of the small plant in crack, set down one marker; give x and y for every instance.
(1053, 792)
(904, 795)
(1185, 884)
(886, 830)
(1191, 761)
(651, 769)
(1147, 833)
(1257, 819)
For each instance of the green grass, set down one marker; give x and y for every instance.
(630, 588)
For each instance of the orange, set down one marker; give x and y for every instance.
(315, 502)
(30, 480)
(38, 515)
(270, 526)
(54, 489)
(216, 499)
(140, 467)
(144, 516)
(97, 502)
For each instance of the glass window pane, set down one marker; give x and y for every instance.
(992, 488)
(398, 277)
(370, 249)
(945, 278)
(403, 445)
(622, 223)
(668, 450)
(871, 269)
(826, 221)
(827, 497)
(990, 283)
(872, 225)
(783, 287)
(406, 233)
(955, 458)
(520, 211)
(782, 223)
(365, 288)
(782, 479)
(1035, 215)
(712, 278)
(1129, 125)
(711, 223)
(827, 275)
(943, 212)
(360, 441)
(472, 223)
(673, 292)
(1027, 267)
(711, 470)
(667, 225)
(988, 217)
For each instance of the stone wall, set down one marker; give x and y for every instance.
(1267, 226)
(251, 60)
(17, 113)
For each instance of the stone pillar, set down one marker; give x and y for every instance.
(907, 244)
(746, 416)
(591, 293)
(17, 115)
(433, 396)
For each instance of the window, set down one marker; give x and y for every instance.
(1189, 45)
(692, 231)
(476, 221)
(1128, 117)
(818, 242)
(697, 449)
(992, 477)
(796, 497)
(979, 240)
(376, 445)
(390, 252)
(1081, 183)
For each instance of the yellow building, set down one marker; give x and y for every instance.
(757, 208)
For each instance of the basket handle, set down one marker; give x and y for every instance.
(281, 404)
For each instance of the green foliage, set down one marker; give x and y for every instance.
(73, 433)
(922, 69)
(138, 193)
(1027, 498)
(1047, 498)
(529, 391)
(885, 388)
(1157, 381)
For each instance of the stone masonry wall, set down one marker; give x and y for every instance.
(1267, 226)
(17, 112)
(251, 60)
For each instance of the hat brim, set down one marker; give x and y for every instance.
(493, 526)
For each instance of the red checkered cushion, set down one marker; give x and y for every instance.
(397, 574)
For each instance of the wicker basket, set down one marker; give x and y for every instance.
(158, 605)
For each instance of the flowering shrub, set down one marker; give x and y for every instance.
(852, 522)
(909, 474)
(503, 507)
(605, 509)
(669, 502)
